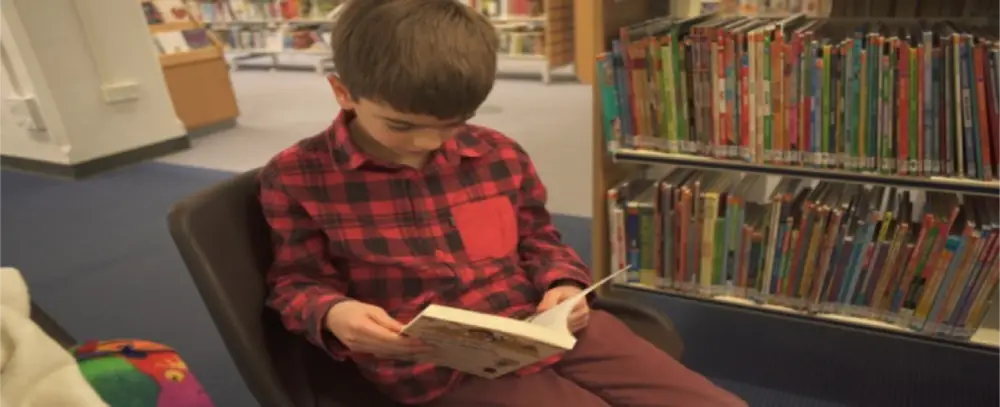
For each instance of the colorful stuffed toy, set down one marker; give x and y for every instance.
(139, 373)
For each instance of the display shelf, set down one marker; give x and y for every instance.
(195, 71)
(194, 56)
(958, 185)
(986, 339)
(173, 26)
(551, 19)
(251, 30)
(253, 39)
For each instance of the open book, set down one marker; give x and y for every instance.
(491, 346)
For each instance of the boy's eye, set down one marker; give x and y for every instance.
(400, 127)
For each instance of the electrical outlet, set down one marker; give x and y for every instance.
(27, 113)
(120, 92)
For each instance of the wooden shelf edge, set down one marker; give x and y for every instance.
(173, 26)
(198, 55)
(985, 339)
(965, 186)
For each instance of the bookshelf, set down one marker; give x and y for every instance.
(616, 161)
(194, 69)
(532, 30)
(255, 29)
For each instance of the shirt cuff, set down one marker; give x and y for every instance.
(562, 274)
(324, 338)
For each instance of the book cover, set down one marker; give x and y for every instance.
(172, 42)
(197, 38)
(491, 346)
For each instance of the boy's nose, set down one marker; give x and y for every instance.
(428, 142)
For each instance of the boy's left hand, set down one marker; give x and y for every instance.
(581, 312)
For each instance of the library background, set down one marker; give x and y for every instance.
(806, 189)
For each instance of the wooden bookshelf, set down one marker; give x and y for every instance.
(612, 167)
(957, 185)
(554, 25)
(596, 20)
(559, 35)
(606, 171)
(230, 20)
(198, 81)
(550, 20)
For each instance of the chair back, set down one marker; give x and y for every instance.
(224, 241)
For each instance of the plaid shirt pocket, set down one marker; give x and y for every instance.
(488, 228)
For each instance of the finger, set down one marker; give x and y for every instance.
(579, 318)
(383, 319)
(377, 336)
(548, 301)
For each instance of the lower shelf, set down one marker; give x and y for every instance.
(986, 338)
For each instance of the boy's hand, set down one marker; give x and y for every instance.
(581, 312)
(366, 328)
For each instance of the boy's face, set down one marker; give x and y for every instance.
(405, 135)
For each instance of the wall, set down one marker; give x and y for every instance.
(63, 52)
(19, 76)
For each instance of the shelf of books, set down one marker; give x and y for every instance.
(532, 30)
(253, 29)
(839, 170)
(194, 68)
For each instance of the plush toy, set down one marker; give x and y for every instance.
(139, 373)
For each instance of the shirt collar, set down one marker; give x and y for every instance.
(467, 144)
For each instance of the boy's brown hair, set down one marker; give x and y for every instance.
(430, 57)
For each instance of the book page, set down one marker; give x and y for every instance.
(484, 345)
(557, 317)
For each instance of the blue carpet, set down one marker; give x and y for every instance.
(99, 259)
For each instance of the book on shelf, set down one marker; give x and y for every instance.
(890, 97)
(261, 38)
(165, 11)
(507, 8)
(197, 38)
(234, 11)
(522, 42)
(171, 42)
(181, 41)
(152, 13)
(771, 7)
(490, 346)
(922, 262)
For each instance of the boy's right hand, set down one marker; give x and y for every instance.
(366, 328)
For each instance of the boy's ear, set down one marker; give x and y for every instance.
(340, 92)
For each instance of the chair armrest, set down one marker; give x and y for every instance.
(645, 322)
(51, 327)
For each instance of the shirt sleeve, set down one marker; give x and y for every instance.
(303, 281)
(543, 255)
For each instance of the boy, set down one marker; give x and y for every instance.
(400, 204)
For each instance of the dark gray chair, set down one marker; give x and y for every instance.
(50, 327)
(224, 240)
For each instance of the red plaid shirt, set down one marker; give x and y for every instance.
(469, 230)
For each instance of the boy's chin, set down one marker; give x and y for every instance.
(416, 152)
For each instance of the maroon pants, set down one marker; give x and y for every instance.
(610, 367)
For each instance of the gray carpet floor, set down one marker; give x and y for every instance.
(97, 256)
